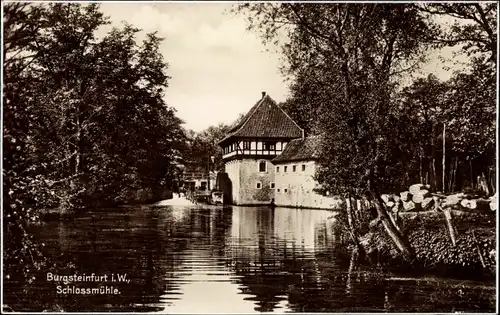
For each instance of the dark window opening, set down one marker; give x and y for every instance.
(269, 145)
(262, 166)
(294, 168)
(258, 185)
(303, 168)
(285, 169)
(246, 145)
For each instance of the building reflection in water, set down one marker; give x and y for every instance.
(273, 251)
(231, 259)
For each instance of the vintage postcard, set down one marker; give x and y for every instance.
(231, 157)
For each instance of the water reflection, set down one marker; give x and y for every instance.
(230, 260)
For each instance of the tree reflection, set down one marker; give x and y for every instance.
(281, 259)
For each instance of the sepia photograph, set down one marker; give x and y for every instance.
(233, 157)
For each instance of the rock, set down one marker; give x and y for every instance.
(493, 203)
(397, 207)
(386, 198)
(452, 200)
(465, 203)
(476, 204)
(420, 196)
(409, 205)
(405, 196)
(415, 189)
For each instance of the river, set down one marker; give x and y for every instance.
(192, 259)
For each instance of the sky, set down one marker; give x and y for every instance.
(218, 68)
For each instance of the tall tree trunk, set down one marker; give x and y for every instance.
(352, 267)
(77, 144)
(398, 239)
(353, 226)
(453, 166)
(434, 174)
(454, 175)
(492, 180)
(470, 171)
(421, 171)
(444, 158)
(449, 223)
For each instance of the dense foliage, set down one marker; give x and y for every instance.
(202, 146)
(85, 121)
(348, 63)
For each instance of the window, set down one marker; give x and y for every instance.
(277, 169)
(285, 190)
(259, 185)
(303, 167)
(262, 166)
(246, 145)
(269, 145)
(272, 185)
(278, 190)
(294, 168)
(285, 169)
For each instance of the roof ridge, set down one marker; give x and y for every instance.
(296, 140)
(303, 136)
(270, 119)
(252, 113)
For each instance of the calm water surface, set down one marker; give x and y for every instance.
(236, 259)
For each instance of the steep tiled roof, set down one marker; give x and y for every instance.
(300, 150)
(265, 120)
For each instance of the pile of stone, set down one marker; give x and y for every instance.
(419, 197)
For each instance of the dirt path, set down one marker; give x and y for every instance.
(175, 201)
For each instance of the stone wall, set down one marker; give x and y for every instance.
(250, 192)
(295, 188)
(250, 186)
(232, 168)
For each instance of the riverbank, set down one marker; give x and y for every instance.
(140, 197)
(176, 200)
(427, 232)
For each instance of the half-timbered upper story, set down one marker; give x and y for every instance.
(263, 132)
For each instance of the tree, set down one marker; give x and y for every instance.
(307, 92)
(465, 107)
(424, 110)
(85, 121)
(472, 122)
(355, 52)
(474, 28)
(206, 144)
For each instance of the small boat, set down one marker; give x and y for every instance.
(217, 198)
